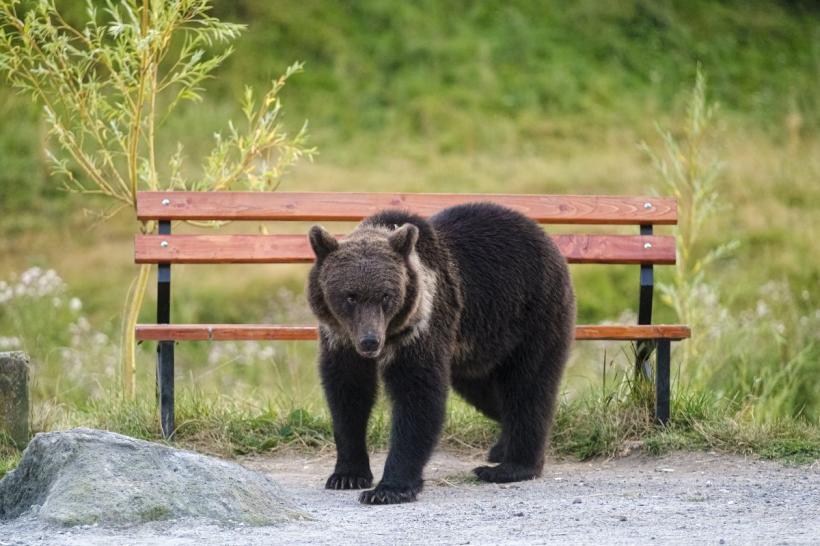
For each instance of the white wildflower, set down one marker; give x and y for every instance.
(6, 292)
(75, 304)
(10, 343)
(34, 282)
(30, 275)
(245, 353)
(775, 290)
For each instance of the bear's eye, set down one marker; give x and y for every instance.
(351, 298)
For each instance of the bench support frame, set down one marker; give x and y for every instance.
(645, 348)
(643, 354)
(662, 381)
(165, 349)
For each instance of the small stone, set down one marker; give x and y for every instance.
(622, 518)
(721, 541)
(576, 501)
(519, 514)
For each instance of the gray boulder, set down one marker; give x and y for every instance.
(85, 476)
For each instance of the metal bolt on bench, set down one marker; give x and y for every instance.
(165, 249)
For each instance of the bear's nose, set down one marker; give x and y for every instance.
(369, 343)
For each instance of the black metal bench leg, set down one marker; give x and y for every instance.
(165, 349)
(165, 386)
(662, 381)
(643, 363)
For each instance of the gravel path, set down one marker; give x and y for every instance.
(678, 498)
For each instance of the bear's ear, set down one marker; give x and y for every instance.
(403, 240)
(323, 243)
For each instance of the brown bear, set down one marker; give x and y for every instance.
(477, 297)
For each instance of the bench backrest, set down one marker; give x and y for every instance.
(644, 249)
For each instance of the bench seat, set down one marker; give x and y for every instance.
(278, 332)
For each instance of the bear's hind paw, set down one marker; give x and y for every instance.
(348, 481)
(385, 494)
(505, 472)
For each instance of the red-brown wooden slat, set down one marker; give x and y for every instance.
(202, 249)
(271, 332)
(343, 206)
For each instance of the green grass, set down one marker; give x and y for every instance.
(595, 425)
(477, 76)
(603, 426)
(9, 455)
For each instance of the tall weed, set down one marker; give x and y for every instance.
(763, 358)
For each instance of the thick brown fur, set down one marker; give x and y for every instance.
(476, 297)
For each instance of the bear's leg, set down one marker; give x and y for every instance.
(419, 396)
(350, 386)
(483, 394)
(498, 452)
(529, 384)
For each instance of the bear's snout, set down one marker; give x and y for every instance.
(369, 345)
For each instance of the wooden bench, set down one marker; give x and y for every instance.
(165, 249)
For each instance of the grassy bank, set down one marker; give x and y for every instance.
(428, 79)
(595, 425)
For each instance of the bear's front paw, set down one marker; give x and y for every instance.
(505, 472)
(386, 494)
(340, 480)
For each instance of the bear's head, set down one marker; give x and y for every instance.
(362, 285)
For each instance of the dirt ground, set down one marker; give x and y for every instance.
(683, 498)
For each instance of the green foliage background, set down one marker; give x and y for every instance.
(495, 76)
(493, 96)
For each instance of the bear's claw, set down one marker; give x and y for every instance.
(505, 472)
(385, 494)
(348, 481)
